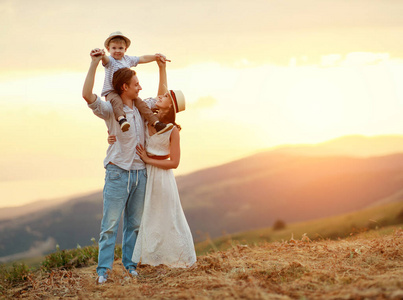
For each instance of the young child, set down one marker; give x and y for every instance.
(117, 44)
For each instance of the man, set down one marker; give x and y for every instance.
(125, 180)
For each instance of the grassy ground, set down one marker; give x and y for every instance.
(364, 266)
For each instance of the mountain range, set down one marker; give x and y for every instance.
(250, 193)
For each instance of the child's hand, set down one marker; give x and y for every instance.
(160, 63)
(161, 57)
(97, 52)
(97, 55)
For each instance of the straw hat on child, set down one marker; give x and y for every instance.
(117, 34)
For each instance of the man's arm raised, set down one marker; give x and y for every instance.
(90, 79)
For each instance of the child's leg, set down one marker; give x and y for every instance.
(117, 105)
(145, 111)
(152, 119)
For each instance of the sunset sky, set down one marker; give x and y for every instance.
(256, 75)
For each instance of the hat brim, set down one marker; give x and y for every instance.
(107, 41)
(178, 100)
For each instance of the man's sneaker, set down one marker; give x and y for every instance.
(101, 280)
(133, 273)
(124, 125)
(162, 127)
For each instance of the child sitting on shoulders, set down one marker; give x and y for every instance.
(117, 44)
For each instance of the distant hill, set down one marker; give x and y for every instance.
(254, 192)
(242, 195)
(14, 212)
(68, 224)
(334, 227)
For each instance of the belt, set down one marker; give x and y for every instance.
(159, 157)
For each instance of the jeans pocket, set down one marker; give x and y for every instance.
(113, 175)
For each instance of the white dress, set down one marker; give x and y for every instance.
(164, 236)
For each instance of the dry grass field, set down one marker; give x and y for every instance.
(365, 266)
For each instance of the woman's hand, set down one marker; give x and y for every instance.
(142, 153)
(111, 139)
(161, 62)
(161, 57)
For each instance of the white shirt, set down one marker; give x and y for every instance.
(123, 152)
(112, 66)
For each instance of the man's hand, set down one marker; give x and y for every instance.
(97, 52)
(96, 55)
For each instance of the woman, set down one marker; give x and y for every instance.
(164, 236)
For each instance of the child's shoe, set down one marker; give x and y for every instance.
(162, 127)
(124, 125)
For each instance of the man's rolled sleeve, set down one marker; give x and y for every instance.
(101, 108)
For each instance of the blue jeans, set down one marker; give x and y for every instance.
(124, 191)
